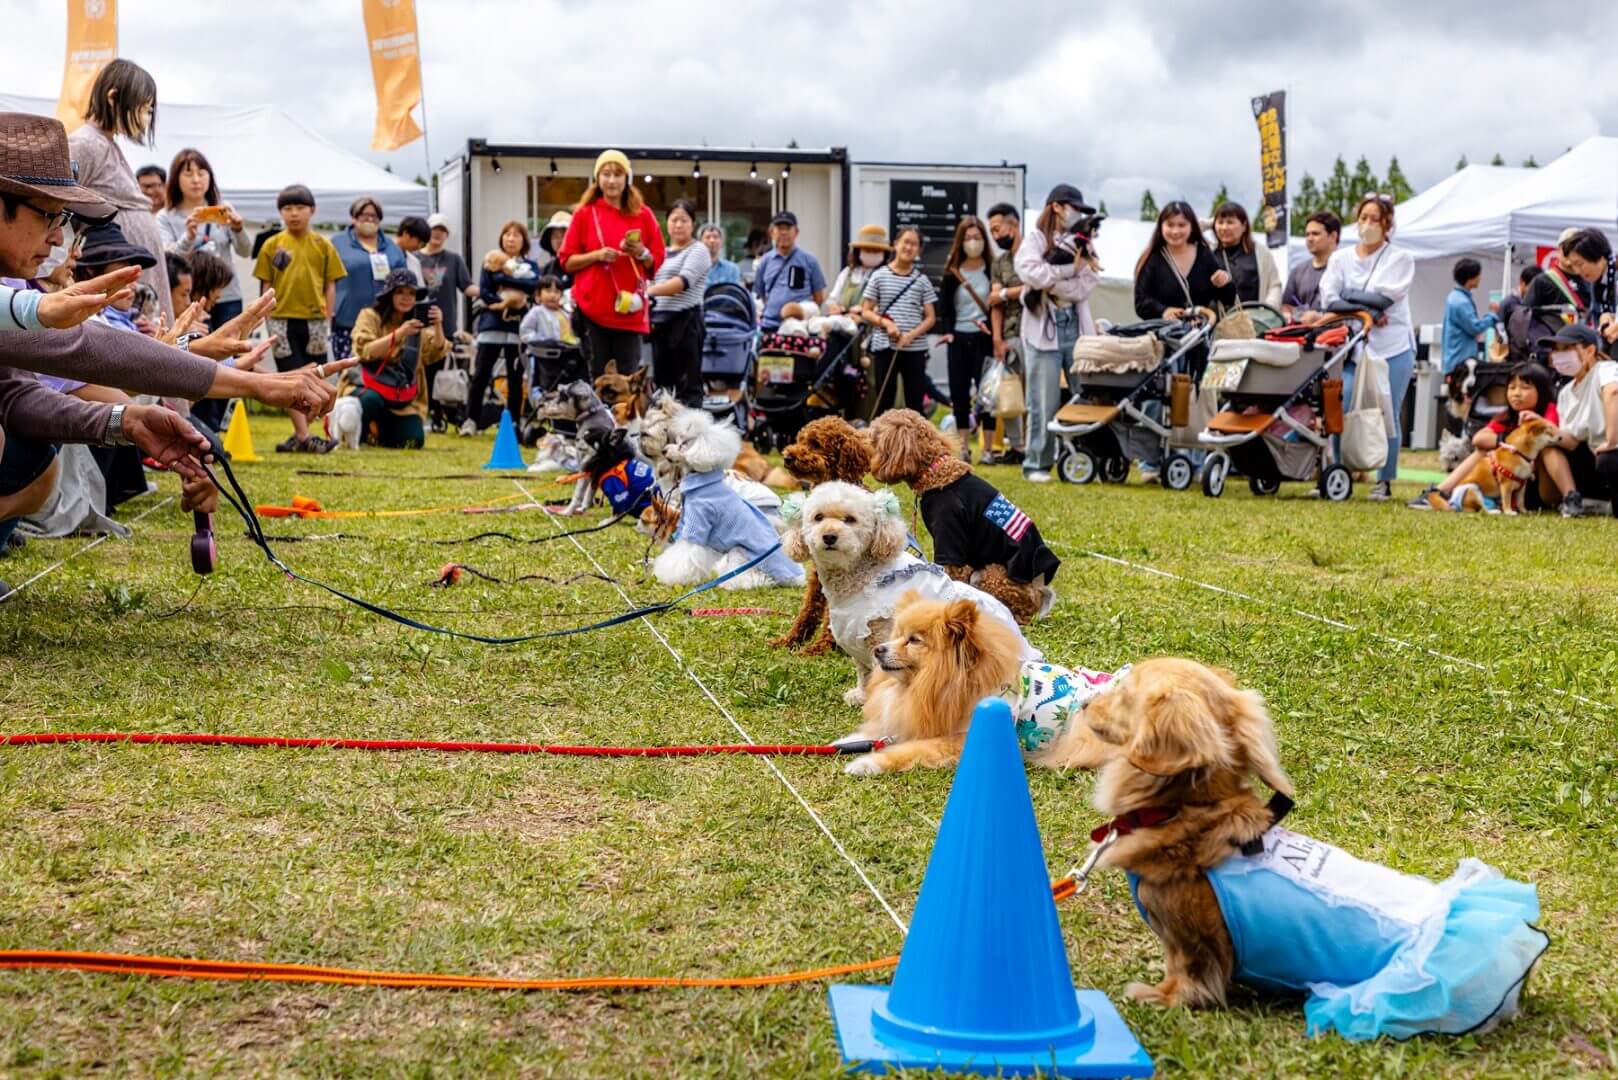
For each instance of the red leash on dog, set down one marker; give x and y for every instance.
(284, 742)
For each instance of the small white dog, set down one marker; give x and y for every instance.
(856, 540)
(345, 423)
(718, 530)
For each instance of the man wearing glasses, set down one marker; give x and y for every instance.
(39, 197)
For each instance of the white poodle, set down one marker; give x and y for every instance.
(718, 530)
(346, 422)
(856, 539)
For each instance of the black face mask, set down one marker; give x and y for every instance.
(1003, 242)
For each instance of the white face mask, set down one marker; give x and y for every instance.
(366, 229)
(1070, 216)
(58, 254)
(973, 248)
(871, 259)
(1371, 233)
(1566, 362)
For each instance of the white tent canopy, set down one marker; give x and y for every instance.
(1579, 189)
(1444, 221)
(256, 150)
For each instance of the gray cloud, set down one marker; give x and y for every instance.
(1115, 100)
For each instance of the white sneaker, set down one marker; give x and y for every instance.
(469, 426)
(1038, 476)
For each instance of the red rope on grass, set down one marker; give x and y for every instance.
(45, 738)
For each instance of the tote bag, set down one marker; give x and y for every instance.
(1365, 425)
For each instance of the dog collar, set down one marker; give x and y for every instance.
(1148, 817)
(939, 460)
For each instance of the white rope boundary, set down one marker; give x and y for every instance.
(1336, 624)
(769, 762)
(97, 542)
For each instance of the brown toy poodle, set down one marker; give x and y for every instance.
(979, 535)
(826, 449)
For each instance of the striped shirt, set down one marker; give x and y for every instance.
(901, 299)
(691, 265)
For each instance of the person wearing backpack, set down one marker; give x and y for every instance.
(1511, 342)
(1463, 326)
(1555, 295)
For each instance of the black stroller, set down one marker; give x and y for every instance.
(1106, 424)
(797, 383)
(729, 351)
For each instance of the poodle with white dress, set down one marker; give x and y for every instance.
(718, 530)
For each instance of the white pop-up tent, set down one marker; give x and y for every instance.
(1444, 220)
(256, 150)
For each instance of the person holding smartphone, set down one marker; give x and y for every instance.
(613, 249)
(396, 338)
(788, 274)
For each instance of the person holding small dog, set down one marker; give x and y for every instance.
(506, 285)
(1589, 420)
(394, 346)
(677, 314)
(1060, 265)
(899, 304)
(1530, 391)
(613, 247)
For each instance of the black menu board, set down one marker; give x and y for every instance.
(934, 207)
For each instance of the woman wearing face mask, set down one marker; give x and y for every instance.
(1249, 265)
(1588, 420)
(1052, 260)
(963, 316)
(1375, 265)
(369, 257)
(869, 250)
(677, 316)
(123, 102)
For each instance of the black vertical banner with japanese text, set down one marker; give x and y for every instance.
(1270, 113)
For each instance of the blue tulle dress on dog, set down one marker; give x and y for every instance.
(1379, 952)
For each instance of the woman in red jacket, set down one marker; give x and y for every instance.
(612, 249)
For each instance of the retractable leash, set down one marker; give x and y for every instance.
(238, 499)
(204, 553)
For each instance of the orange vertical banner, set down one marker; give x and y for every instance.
(390, 31)
(92, 41)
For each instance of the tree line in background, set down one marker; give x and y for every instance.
(1339, 193)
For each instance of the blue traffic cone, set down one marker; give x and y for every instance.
(507, 454)
(983, 983)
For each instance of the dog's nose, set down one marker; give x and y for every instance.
(881, 651)
(830, 540)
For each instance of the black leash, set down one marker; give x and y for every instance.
(243, 506)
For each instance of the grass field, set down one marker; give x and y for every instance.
(1490, 731)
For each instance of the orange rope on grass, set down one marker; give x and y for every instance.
(171, 967)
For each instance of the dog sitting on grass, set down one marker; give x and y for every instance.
(826, 449)
(979, 536)
(1232, 896)
(945, 656)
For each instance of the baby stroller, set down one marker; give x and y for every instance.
(1281, 401)
(795, 385)
(1120, 372)
(729, 351)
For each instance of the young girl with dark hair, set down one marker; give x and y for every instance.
(899, 304)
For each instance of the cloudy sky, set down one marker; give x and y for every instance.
(1133, 97)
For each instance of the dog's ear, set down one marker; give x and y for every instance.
(636, 379)
(1254, 732)
(960, 630)
(852, 456)
(792, 542)
(1175, 733)
(889, 542)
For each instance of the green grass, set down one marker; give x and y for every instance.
(555, 867)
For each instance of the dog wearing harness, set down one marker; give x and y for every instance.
(1503, 476)
(1232, 896)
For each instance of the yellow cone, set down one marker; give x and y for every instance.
(238, 439)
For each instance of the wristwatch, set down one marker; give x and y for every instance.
(114, 433)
